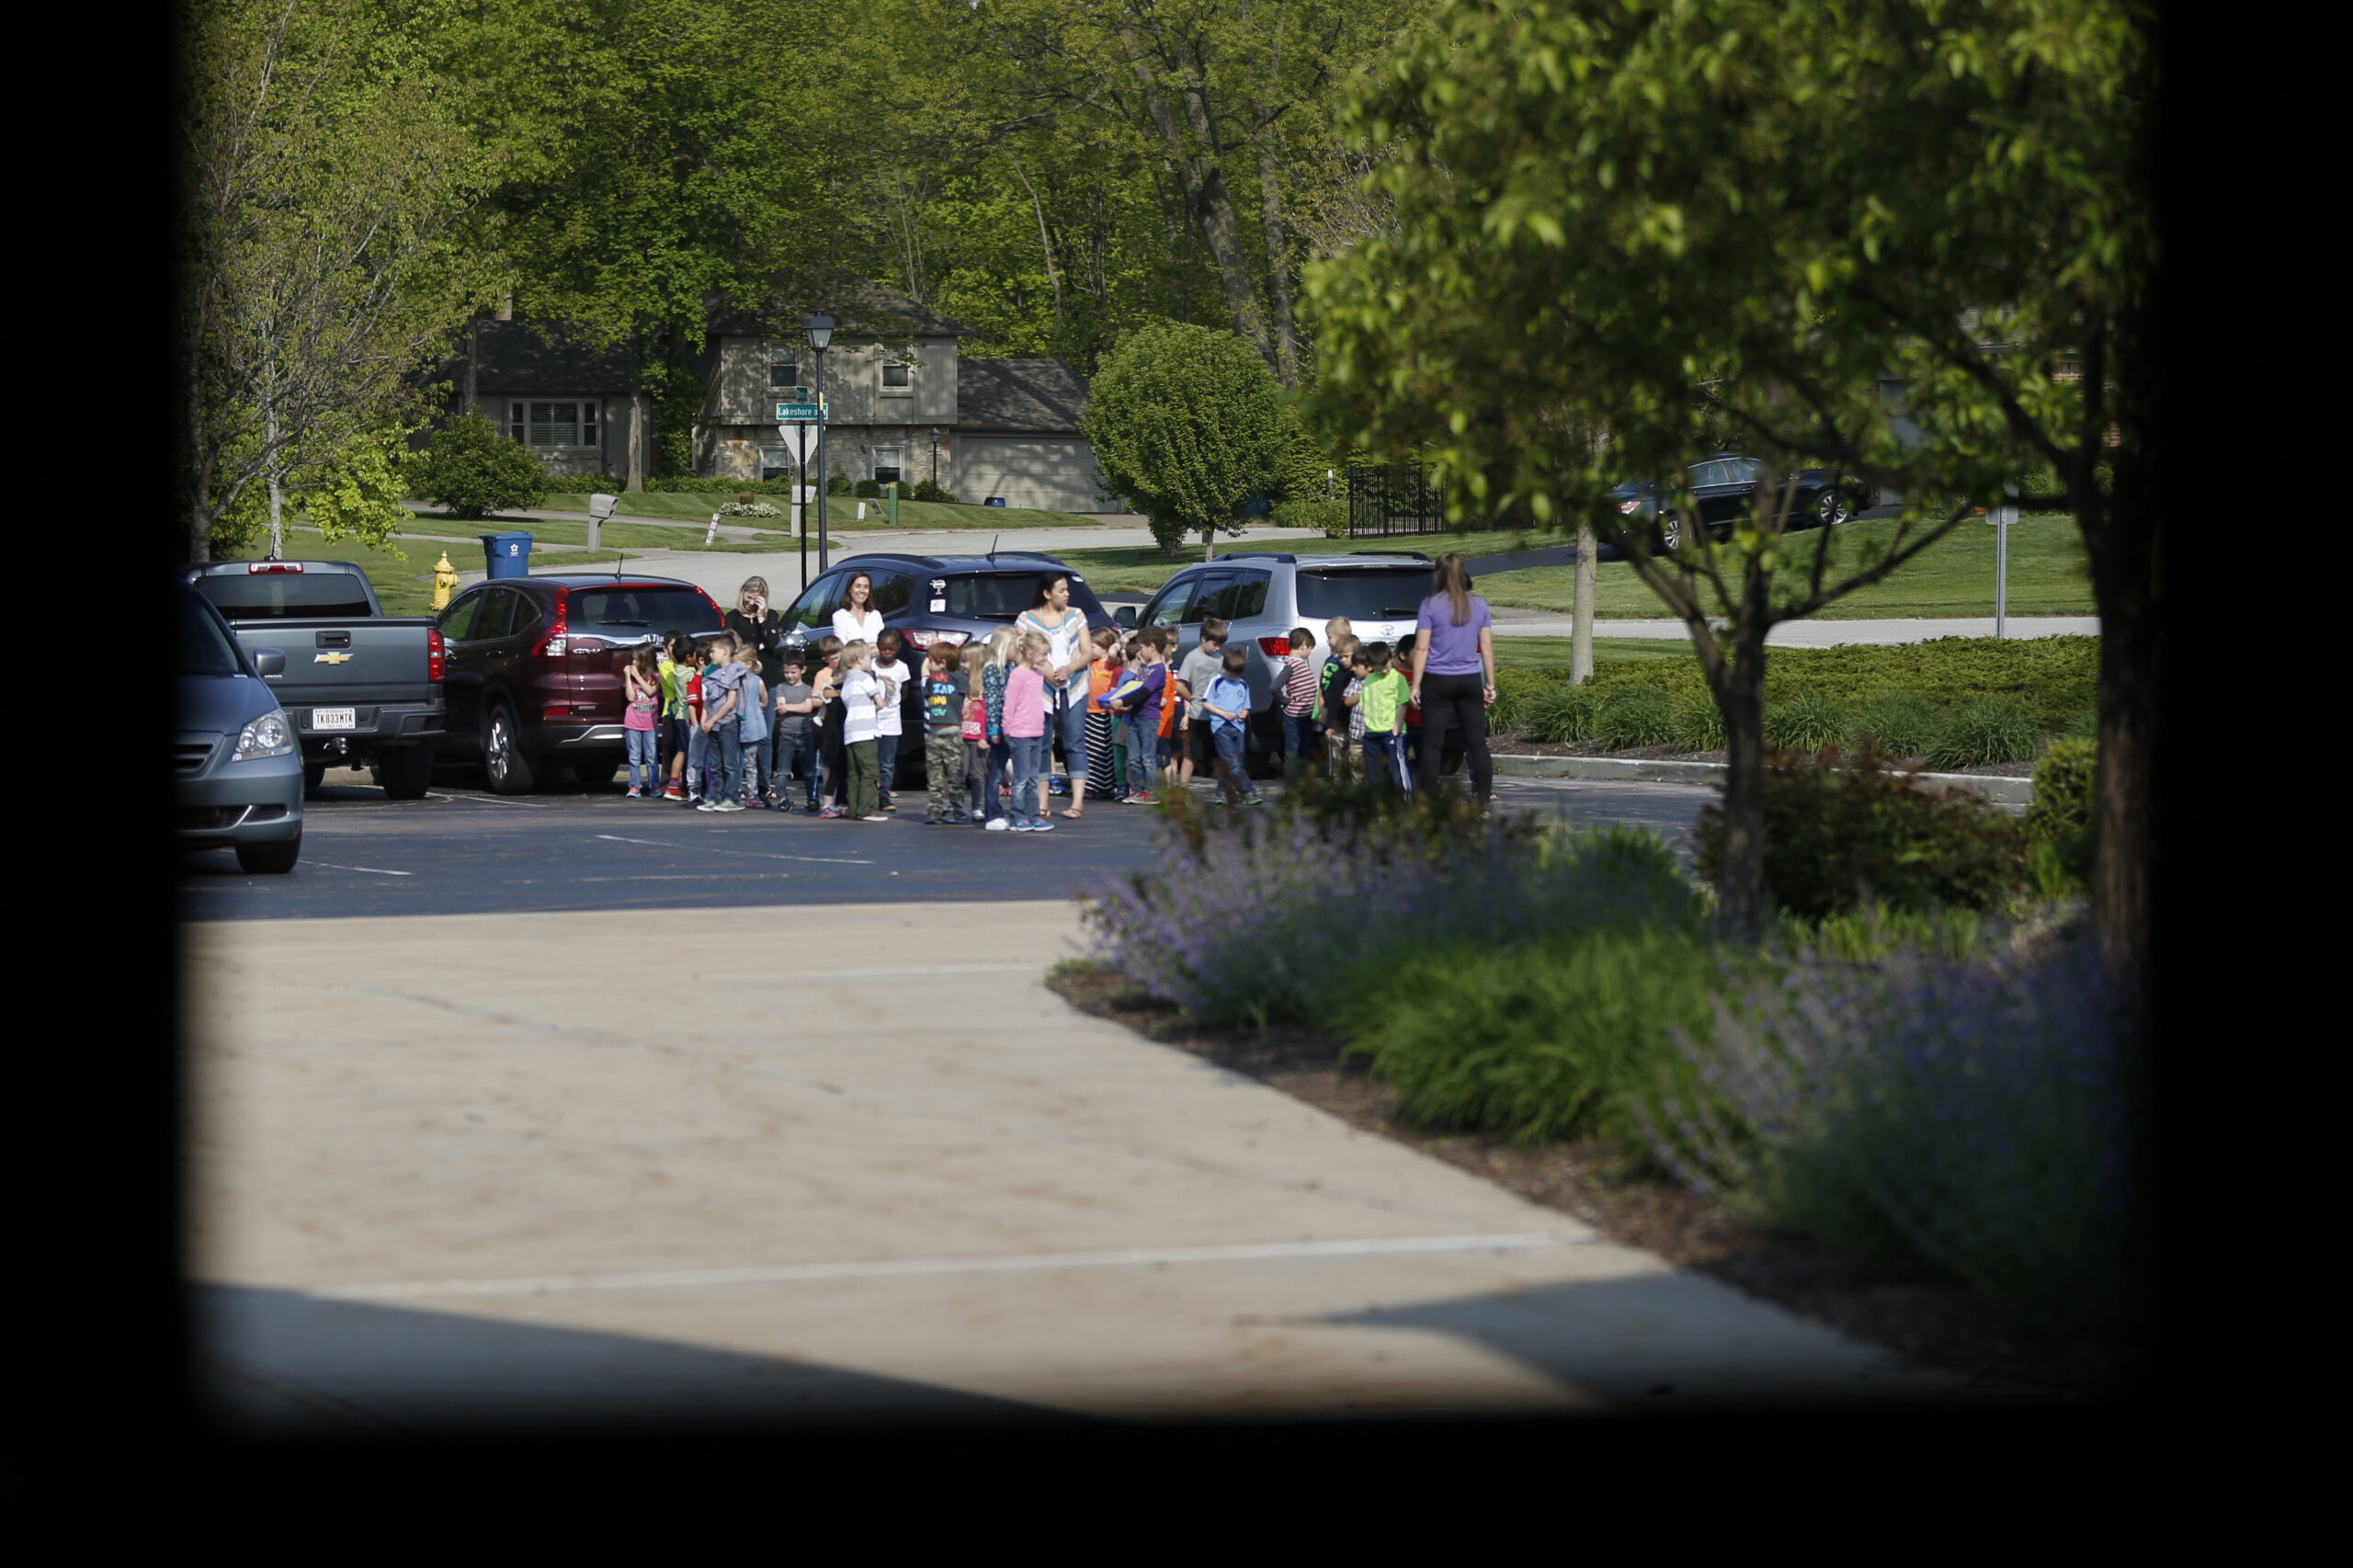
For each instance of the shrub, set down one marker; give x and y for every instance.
(1187, 421)
(473, 471)
(837, 485)
(1561, 712)
(1837, 838)
(1514, 688)
(1264, 917)
(1966, 1119)
(2059, 821)
(1634, 716)
(1535, 1044)
(932, 490)
(869, 490)
(1698, 722)
(754, 509)
(1898, 724)
(2053, 677)
(1991, 729)
(1808, 722)
(2084, 727)
(1328, 517)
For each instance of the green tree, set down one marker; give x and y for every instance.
(1186, 424)
(472, 470)
(1907, 241)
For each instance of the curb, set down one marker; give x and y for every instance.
(2001, 791)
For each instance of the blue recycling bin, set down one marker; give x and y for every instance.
(510, 555)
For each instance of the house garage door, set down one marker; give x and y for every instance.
(1056, 473)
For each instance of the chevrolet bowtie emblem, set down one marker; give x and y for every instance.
(331, 659)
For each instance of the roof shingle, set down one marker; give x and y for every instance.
(1042, 395)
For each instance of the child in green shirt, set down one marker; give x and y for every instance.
(1383, 702)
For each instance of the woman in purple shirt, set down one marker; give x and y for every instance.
(1454, 676)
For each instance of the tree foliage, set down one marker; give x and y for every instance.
(1186, 424)
(1884, 239)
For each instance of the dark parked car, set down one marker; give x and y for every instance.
(930, 599)
(535, 669)
(1724, 488)
(362, 688)
(237, 761)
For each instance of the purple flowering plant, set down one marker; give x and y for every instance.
(1964, 1119)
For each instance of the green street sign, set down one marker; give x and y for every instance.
(786, 412)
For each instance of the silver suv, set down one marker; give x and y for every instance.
(1262, 596)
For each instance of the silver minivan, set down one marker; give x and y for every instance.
(1262, 596)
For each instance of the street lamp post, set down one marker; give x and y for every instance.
(820, 329)
(935, 457)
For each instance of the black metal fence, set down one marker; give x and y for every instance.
(1397, 500)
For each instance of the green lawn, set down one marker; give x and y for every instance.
(841, 512)
(1953, 578)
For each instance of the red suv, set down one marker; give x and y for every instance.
(535, 669)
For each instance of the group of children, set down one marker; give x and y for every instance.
(707, 730)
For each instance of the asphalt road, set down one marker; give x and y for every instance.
(462, 850)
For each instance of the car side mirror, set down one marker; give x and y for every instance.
(1124, 618)
(269, 663)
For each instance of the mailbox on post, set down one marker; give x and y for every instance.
(599, 508)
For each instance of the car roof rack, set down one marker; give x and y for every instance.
(1401, 554)
(1284, 559)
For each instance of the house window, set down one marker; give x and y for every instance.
(886, 465)
(784, 366)
(895, 377)
(552, 423)
(2069, 368)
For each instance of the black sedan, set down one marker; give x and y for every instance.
(1724, 488)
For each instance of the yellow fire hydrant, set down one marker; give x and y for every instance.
(445, 582)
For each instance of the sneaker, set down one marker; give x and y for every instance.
(634, 794)
(1041, 825)
(830, 813)
(1144, 797)
(674, 793)
(1254, 799)
(888, 806)
(998, 825)
(728, 806)
(979, 815)
(874, 816)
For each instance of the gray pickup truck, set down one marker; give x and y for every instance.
(362, 688)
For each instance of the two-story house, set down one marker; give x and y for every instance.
(903, 404)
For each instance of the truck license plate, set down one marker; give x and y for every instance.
(334, 719)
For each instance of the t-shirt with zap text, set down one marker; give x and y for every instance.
(1230, 693)
(1454, 650)
(943, 702)
(1025, 704)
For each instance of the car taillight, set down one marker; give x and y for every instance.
(554, 645)
(1275, 647)
(931, 639)
(1627, 508)
(436, 656)
(272, 568)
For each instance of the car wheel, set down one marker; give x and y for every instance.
(270, 859)
(1833, 510)
(502, 754)
(405, 772)
(1670, 530)
(595, 772)
(315, 773)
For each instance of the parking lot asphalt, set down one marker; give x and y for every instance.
(462, 850)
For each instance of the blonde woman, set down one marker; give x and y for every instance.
(1068, 652)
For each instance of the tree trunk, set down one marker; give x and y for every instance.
(1739, 884)
(1581, 605)
(1270, 205)
(1203, 182)
(1045, 245)
(636, 442)
(2120, 536)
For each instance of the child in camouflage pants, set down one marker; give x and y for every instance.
(943, 740)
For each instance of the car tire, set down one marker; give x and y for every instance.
(1831, 511)
(405, 772)
(503, 757)
(270, 859)
(595, 772)
(315, 773)
(1670, 531)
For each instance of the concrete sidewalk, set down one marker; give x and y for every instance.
(828, 1164)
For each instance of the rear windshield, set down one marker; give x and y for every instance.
(640, 608)
(280, 595)
(1362, 593)
(205, 649)
(999, 596)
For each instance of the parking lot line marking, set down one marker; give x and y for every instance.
(372, 871)
(753, 854)
(938, 969)
(891, 1269)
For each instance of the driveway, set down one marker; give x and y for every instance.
(613, 1167)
